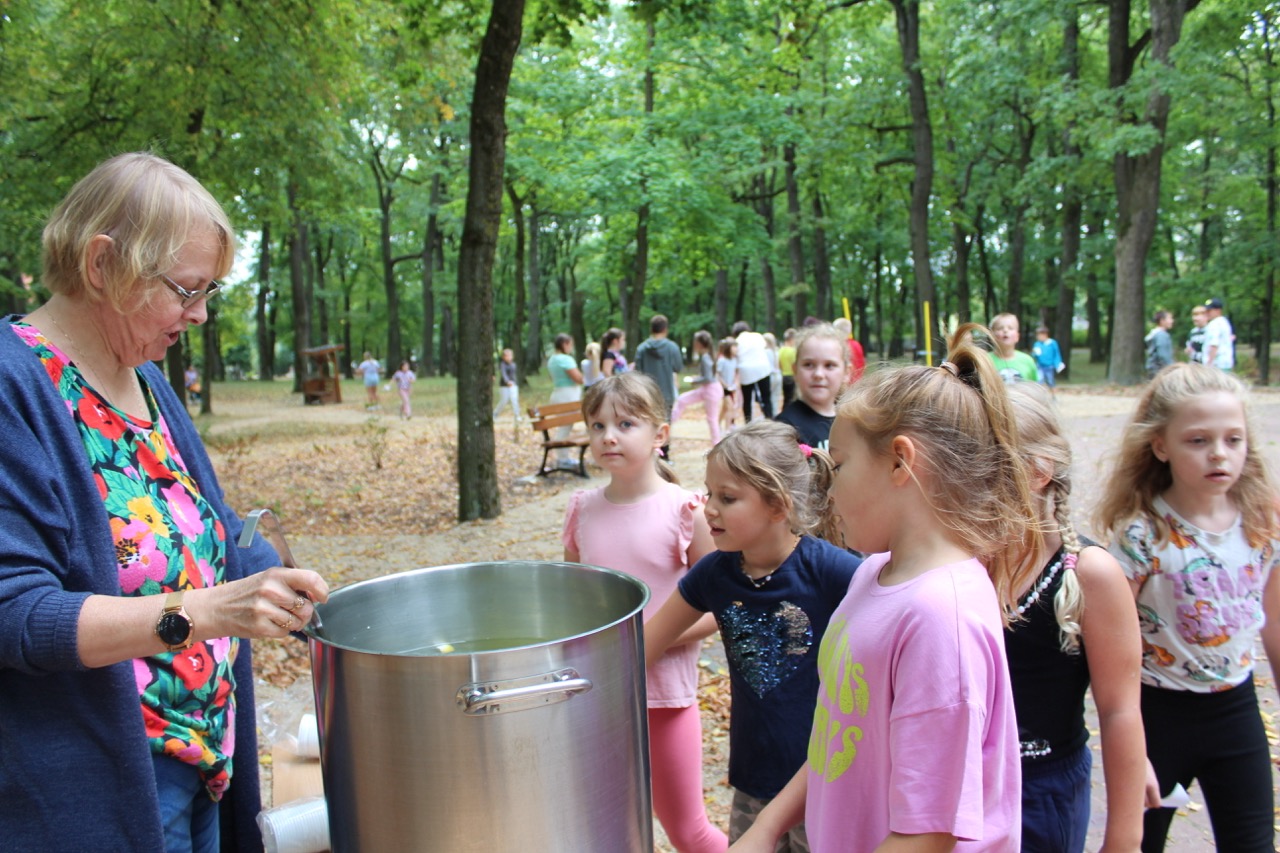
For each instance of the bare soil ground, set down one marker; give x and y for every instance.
(351, 521)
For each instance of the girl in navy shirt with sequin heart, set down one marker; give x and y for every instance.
(772, 588)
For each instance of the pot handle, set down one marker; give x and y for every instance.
(497, 697)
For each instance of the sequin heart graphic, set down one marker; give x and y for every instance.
(766, 648)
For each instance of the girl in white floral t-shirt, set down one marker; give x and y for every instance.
(1191, 516)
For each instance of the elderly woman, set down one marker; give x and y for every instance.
(125, 684)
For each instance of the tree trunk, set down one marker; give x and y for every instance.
(1072, 208)
(795, 248)
(823, 297)
(212, 359)
(1137, 182)
(907, 14)
(266, 342)
(298, 285)
(386, 197)
(764, 192)
(722, 302)
(478, 495)
(431, 248)
(633, 292)
(962, 246)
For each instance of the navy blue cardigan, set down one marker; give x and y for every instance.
(75, 767)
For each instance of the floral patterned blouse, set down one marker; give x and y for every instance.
(167, 538)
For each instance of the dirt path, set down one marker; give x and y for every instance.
(531, 530)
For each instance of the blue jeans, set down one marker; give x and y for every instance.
(1055, 803)
(188, 816)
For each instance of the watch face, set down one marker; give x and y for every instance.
(173, 629)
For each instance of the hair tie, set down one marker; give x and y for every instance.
(806, 450)
(950, 367)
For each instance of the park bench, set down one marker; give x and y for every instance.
(550, 417)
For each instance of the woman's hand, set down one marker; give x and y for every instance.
(267, 604)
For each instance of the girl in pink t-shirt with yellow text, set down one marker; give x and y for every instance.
(643, 523)
(914, 744)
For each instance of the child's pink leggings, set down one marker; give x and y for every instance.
(675, 755)
(710, 395)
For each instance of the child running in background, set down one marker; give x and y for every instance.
(508, 389)
(772, 587)
(1077, 629)
(1191, 514)
(821, 366)
(646, 525)
(914, 744)
(403, 378)
(727, 374)
(706, 388)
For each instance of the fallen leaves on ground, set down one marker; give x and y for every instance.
(331, 485)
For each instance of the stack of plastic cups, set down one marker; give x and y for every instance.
(301, 826)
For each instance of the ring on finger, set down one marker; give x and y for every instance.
(297, 604)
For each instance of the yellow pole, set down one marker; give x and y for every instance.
(928, 337)
(847, 315)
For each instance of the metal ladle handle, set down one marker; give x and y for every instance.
(273, 532)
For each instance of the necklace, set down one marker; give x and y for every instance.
(759, 583)
(1033, 595)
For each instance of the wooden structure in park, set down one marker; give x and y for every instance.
(322, 381)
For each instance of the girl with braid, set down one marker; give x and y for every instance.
(1076, 627)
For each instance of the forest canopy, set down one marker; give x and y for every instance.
(713, 161)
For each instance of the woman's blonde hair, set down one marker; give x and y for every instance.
(636, 394)
(150, 208)
(1139, 477)
(767, 456)
(958, 415)
(1046, 452)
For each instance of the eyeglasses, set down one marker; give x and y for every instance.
(191, 297)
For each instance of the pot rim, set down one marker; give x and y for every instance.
(309, 629)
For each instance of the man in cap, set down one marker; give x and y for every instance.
(1219, 340)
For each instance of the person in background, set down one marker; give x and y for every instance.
(566, 387)
(403, 379)
(508, 386)
(786, 362)
(127, 716)
(661, 360)
(857, 358)
(1048, 358)
(821, 370)
(727, 375)
(753, 371)
(775, 371)
(1219, 339)
(1195, 339)
(644, 524)
(1014, 365)
(1159, 344)
(590, 365)
(1190, 512)
(706, 388)
(191, 381)
(611, 358)
(370, 370)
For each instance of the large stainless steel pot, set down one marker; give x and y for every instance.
(487, 707)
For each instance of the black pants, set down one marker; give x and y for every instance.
(1217, 739)
(788, 389)
(759, 390)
